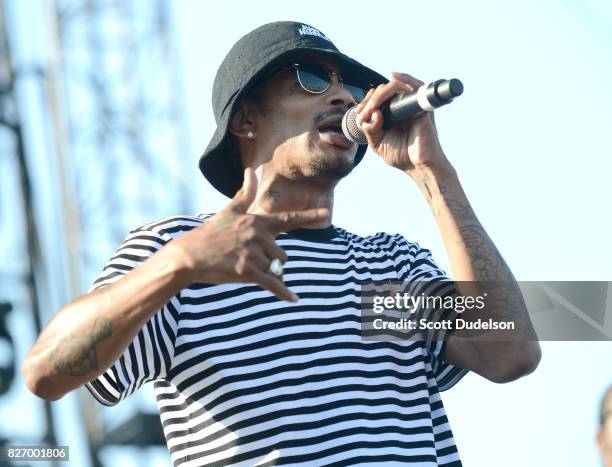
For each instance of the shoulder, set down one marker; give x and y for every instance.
(380, 240)
(169, 228)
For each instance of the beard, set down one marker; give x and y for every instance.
(330, 168)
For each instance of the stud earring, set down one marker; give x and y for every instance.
(250, 134)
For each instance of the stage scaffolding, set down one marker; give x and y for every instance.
(93, 143)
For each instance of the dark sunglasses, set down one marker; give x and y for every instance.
(317, 78)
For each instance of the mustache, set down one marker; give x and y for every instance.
(335, 112)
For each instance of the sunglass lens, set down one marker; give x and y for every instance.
(357, 92)
(313, 78)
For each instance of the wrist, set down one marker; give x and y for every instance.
(179, 263)
(434, 181)
(438, 183)
(440, 169)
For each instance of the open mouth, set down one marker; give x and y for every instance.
(332, 129)
(332, 133)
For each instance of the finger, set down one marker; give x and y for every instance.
(382, 93)
(364, 101)
(259, 259)
(243, 199)
(274, 285)
(289, 220)
(407, 79)
(373, 129)
(272, 250)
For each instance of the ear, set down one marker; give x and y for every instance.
(600, 439)
(242, 122)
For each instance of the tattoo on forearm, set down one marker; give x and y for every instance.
(461, 212)
(489, 266)
(424, 183)
(485, 258)
(432, 191)
(76, 355)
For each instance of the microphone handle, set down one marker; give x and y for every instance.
(427, 98)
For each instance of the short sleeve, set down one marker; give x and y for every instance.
(148, 357)
(417, 268)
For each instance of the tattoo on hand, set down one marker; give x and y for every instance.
(76, 355)
(273, 195)
(242, 241)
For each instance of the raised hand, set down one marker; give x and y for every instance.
(236, 246)
(412, 144)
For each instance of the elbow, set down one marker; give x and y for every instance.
(521, 363)
(36, 380)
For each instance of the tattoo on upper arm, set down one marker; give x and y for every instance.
(76, 355)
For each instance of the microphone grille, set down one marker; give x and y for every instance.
(351, 128)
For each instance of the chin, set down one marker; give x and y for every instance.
(333, 166)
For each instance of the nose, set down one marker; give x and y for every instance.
(338, 95)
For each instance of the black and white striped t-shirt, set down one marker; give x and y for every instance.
(242, 378)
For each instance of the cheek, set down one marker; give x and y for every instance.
(290, 122)
(297, 143)
(290, 131)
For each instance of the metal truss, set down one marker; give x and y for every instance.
(113, 152)
(127, 138)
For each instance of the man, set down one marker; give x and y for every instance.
(604, 435)
(254, 365)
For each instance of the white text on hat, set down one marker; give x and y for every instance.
(310, 31)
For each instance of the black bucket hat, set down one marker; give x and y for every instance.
(254, 55)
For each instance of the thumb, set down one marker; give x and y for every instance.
(243, 199)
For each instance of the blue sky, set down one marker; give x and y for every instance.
(530, 139)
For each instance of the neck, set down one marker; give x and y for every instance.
(277, 193)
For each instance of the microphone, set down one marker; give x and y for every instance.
(405, 106)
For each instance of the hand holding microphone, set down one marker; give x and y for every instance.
(404, 106)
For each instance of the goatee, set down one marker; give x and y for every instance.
(331, 169)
